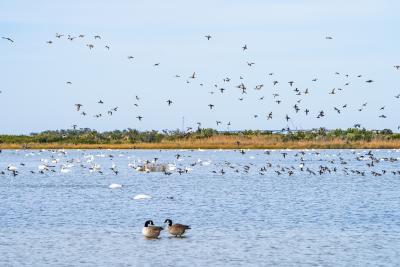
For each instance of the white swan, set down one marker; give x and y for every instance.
(11, 168)
(141, 196)
(114, 186)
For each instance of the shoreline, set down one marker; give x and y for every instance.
(335, 144)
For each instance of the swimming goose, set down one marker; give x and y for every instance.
(151, 231)
(176, 229)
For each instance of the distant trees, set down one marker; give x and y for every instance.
(132, 136)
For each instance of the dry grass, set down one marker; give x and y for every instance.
(223, 142)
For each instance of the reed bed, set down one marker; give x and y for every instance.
(223, 142)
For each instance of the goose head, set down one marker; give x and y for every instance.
(168, 221)
(148, 222)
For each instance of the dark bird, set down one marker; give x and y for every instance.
(244, 47)
(211, 106)
(258, 87)
(8, 39)
(208, 37)
(78, 106)
(169, 102)
(139, 118)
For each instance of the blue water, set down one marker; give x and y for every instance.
(244, 217)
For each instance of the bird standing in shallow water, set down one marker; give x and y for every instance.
(176, 229)
(150, 230)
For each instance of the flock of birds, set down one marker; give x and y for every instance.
(300, 162)
(258, 163)
(183, 163)
(240, 86)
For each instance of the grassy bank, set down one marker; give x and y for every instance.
(222, 141)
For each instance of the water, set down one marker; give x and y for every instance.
(238, 218)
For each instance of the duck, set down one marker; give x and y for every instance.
(176, 229)
(150, 230)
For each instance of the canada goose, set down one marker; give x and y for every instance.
(176, 229)
(150, 230)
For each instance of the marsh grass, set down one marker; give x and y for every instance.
(223, 142)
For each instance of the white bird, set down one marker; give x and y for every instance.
(141, 196)
(11, 168)
(115, 186)
(64, 169)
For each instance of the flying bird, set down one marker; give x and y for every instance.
(78, 106)
(8, 39)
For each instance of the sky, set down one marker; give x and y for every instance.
(286, 38)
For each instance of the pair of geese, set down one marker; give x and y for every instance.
(152, 231)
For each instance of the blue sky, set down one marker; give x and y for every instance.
(283, 37)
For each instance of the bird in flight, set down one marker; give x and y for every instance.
(8, 39)
(211, 106)
(130, 57)
(78, 106)
(169, 102)
(208, 37)
(244, 47)
(139, 118)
